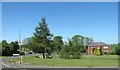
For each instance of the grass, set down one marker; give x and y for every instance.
(86, 60)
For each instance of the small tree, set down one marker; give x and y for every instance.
(101, 52)
(70, 51)
(96, 52)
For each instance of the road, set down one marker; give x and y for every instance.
(7, 66)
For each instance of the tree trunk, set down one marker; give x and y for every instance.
(43, 55)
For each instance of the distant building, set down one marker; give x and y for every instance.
(105, 47)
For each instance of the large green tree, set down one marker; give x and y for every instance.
(42, 36)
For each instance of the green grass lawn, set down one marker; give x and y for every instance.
(86, 60)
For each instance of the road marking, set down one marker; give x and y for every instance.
(8, 65)
(5, 65)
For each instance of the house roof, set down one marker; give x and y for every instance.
(97, 43)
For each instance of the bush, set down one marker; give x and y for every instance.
(77, 55)
(93, 50)
(112, 53)
(64, 53)
(96, 52)
(22, 53)
(6, 53)
(72, 52)
(106, 53)
(118, 51)
(101, 52)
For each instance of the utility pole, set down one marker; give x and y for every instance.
(21, 58)
(19, 40)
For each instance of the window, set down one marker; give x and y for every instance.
(105, 46)
(105, 50)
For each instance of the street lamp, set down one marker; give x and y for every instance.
(19, 40)
(20, 48)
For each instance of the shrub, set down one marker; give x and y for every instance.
(106, 53)
(93, 50)
(72, 52)
(96, 52)
(101, 52)
(77, 55)
(64, 53)
(112, 53)
(22, 53)
(118, 51)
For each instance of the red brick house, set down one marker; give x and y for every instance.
(105, 47)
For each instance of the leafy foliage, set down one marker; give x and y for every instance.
(118, 50)
(14, 47)
(106, 53)
(57, 41)
(115, 49)
(96, 52)
(9, 49)
(22, 53)
(71, 51)
(101, 50)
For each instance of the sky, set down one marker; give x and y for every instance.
(98, 20)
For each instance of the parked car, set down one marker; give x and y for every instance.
(31, 52)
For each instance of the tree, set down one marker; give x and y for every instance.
(101, 50)
(4, 44)
(5, 49)
(42, 36)
(117, 50)
(78, 40)
(25, 44)
(28, 43)
(88, 40)
(71, 50)
(14, 47)
(58, 43)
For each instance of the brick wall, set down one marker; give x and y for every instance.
(105, 49)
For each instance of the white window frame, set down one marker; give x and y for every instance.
(106, 47)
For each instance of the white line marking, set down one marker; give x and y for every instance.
(14, 67)
(5, 65)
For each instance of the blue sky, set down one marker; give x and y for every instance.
(98, 20)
